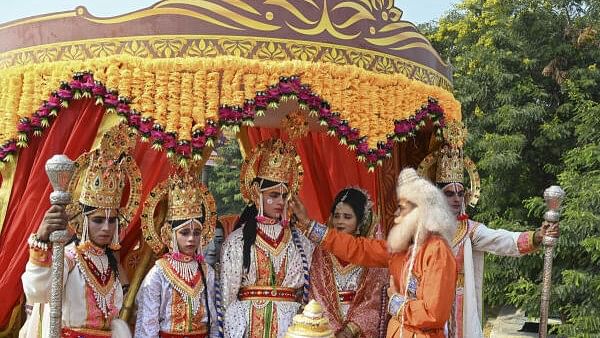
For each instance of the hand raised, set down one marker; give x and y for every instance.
(54, 219)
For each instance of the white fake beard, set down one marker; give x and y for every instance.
(403, 232)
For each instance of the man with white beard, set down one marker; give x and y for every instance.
(417, 254)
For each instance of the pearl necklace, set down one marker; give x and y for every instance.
(185, 269)
(271, 230)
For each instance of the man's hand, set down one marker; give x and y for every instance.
(392, 289)
(298, 209)
(547, 229)
(54, 219)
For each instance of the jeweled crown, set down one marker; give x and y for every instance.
(450, 162)
(185, 199)
(103, 183)
(278, 161)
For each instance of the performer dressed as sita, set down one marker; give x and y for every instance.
(177, 296)
(265, 262)
(93, 284)
(352, 296)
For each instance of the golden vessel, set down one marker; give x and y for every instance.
(310, 323)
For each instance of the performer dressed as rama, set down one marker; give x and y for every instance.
(472, 239)
(265, 262)
(351, 295)
(422, 267)
(177, 296)
(93, 283)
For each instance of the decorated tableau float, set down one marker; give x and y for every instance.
(358, 91)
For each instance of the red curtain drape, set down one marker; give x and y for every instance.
(72, 133)
(328, 168)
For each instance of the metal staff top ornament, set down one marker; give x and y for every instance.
(60, 169)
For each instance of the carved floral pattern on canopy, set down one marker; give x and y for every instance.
(366, 33)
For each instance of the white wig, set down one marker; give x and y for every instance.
(435, 215)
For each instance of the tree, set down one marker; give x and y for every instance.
(223, 179)
(526, 75)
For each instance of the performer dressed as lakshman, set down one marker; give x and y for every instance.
(472, 239)
(351, 295)
(93, 283)
(265, 262)
(176, 298)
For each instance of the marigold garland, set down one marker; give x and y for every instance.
(150, 129)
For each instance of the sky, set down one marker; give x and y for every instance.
(416, 11)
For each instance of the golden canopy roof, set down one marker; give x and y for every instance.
(180, 60)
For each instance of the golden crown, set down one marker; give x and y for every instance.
(103, 183)
(100, 175)
(185, 200)
(451, 162)
(449, 166)
(277, 161)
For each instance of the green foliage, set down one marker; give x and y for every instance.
(526, 74)
(224, 178)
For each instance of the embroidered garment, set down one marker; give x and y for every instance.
(430, 296)
(171, 300)
(92, 295)
(262, 301)
(473, 240)
(348, 293)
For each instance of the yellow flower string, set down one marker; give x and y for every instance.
(369, 101)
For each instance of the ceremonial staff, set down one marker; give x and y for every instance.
(59, 170)
(553, 196)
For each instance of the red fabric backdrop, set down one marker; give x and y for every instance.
(73, 133)
(328, 168)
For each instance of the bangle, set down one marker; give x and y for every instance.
(35, 243)
(395, 304)
(317, 232)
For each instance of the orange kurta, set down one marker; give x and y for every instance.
(434, 269)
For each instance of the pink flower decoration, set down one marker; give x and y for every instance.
(24, 125)
(44, 111)
(169, 141)
(284, 87)
(53, 101)
(325, 113)
(372, 157)
(122, 108)
(98, 89)
(64, 94)
(145, 126)
(260, 100)
(314, 101)
(75, 84)
(134, 120)
(157, 135)
(111, 99)
(184, 149)
(273, 94)
(294, 83)
(10, 147)
(210, 130)
(199, 141)
(362, 147)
